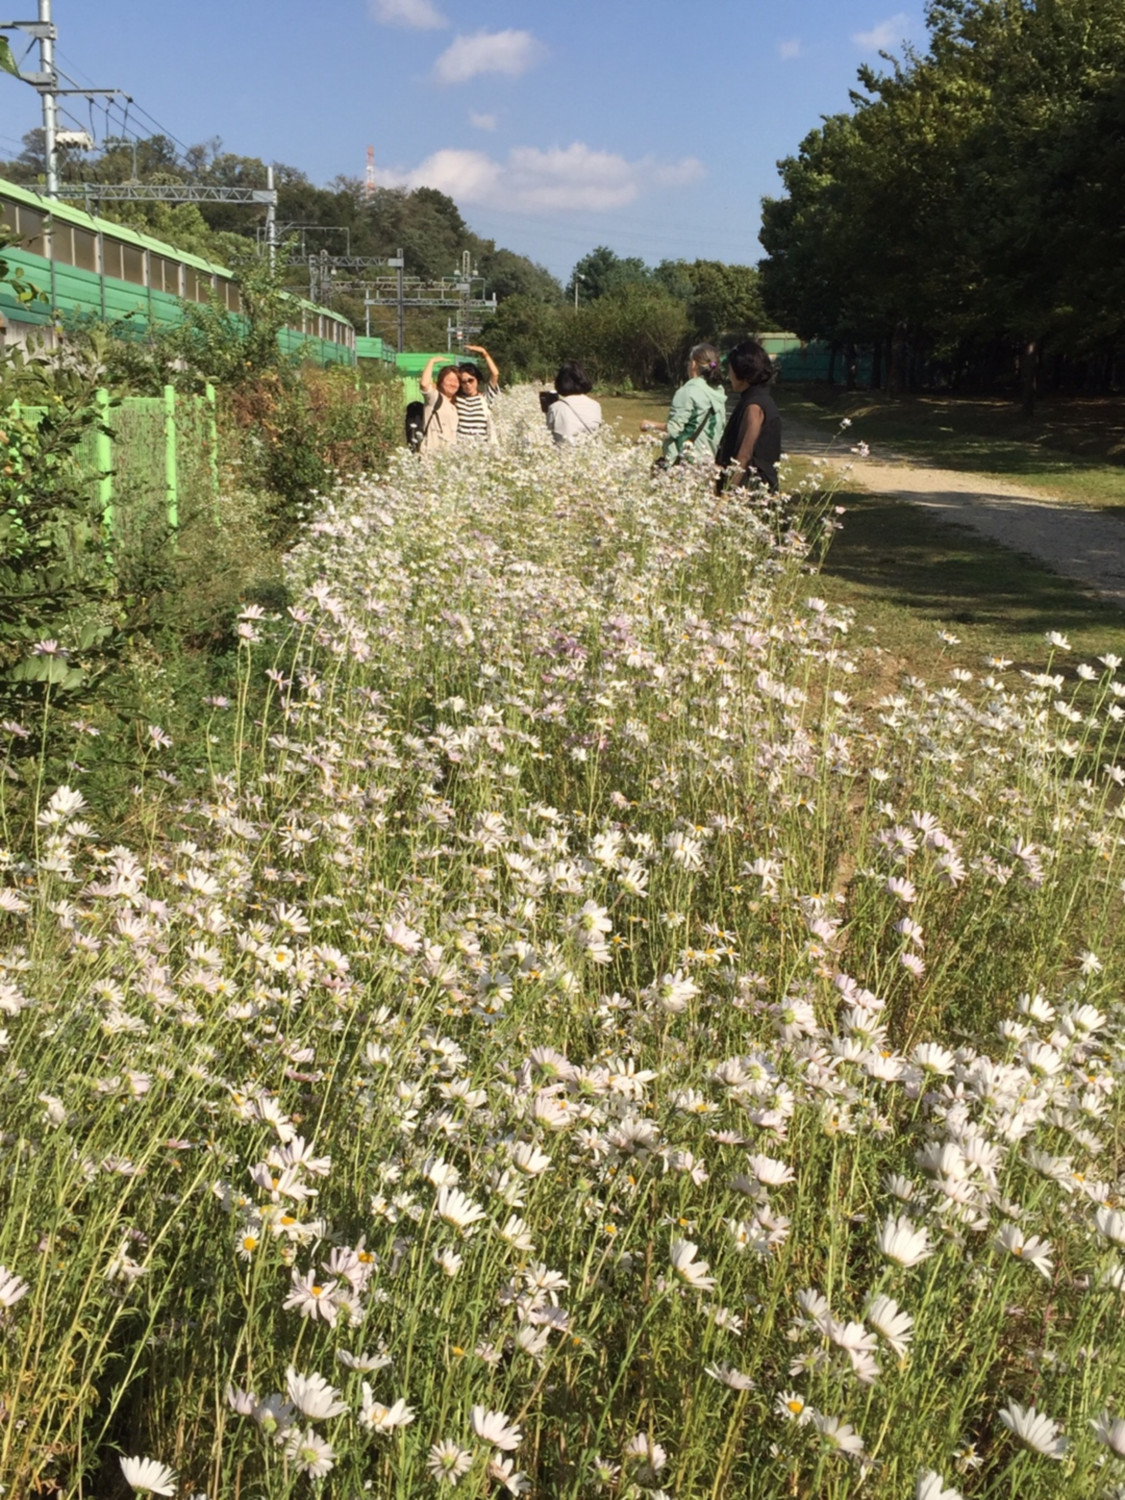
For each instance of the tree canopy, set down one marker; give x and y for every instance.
(969, 205)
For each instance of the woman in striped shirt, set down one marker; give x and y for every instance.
(474, 415)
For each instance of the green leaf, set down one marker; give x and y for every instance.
(53, 669)
(7, 61)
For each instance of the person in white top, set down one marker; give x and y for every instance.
(440, 397)
(575, 415)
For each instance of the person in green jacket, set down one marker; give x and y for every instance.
(697, 414)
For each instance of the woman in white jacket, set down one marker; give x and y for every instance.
(575, 415)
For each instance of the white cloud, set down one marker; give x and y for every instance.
(422, 15)
(482, 122)
(885, 34)
(561, 179)
(511, 52)
(789, 50)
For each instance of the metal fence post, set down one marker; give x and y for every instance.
(213, 440)
(103, 455)
(170, 473)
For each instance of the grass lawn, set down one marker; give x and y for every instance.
(909, 575)
(1074, 448)
(626, 412)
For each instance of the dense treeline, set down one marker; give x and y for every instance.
(966, 218)
(630, 322)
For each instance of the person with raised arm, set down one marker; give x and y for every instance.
(474, 404)
(439, 398)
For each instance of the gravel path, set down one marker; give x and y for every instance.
(1074, 540)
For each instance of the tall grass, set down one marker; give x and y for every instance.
(584, 1047)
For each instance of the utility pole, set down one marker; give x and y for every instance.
(46, 84)
(401, 300)
(271, 220)
(50, 99)
(402, 291)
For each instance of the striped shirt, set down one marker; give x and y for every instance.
(472, 419)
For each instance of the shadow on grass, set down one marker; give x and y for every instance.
(947, 574)
(1072, 443)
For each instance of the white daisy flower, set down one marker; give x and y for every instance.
(1030, 1248)
(726, 1375)
(889, 1320)
(457, 1209)
(931, 1486)
(12, 1287)
(839, 1435)
(310, 1454)
(312, 1395)
(769, 1171)
(448, 1463)
(312, 1298)
(691, 1271)
(493, 1427)
(379, 1418)
(505, 1474)
(528, 1159)
(1035, 1431)
(794, 1408)
(903, 1242)
(1110, 1222)
(147, 1476)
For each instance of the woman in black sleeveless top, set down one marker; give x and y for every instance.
(751, 440)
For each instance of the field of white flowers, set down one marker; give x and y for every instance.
(595, 1044)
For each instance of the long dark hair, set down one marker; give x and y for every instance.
(750, 362)
(706, 359)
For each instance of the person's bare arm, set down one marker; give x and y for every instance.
(427, 380)
(493, 371)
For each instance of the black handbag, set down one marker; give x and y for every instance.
(662, 462)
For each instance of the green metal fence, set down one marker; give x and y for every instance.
(158, 453)
(151, 455)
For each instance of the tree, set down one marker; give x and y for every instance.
(967, 208)
(723, 301)
(526, 336)
(511, 275)
(604, 271)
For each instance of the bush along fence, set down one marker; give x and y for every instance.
(89, 485)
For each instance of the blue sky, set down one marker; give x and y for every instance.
(652, 126)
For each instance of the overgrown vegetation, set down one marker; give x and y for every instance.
(586, 1045)
(124, 621)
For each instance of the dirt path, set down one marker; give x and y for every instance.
(1074, 540)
